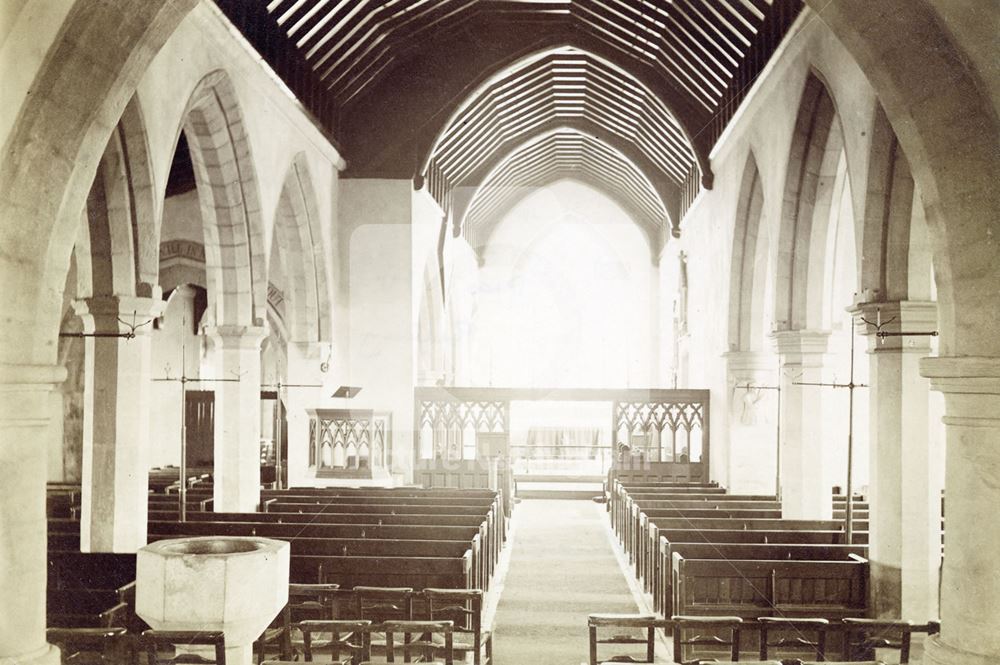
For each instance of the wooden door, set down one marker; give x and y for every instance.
(200, 420)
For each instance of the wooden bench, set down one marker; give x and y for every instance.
(754, 588)
(663, 583)
(647, 542)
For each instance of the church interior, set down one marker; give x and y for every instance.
(499, 331)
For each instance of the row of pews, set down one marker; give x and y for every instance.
(731, 565)
(404, 540)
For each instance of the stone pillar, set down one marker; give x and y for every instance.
(905, 501)
(805, 492)
(116, 431)
(970, 587)
(237, 416)
(752, 422)
(25, 416)
(304, 367)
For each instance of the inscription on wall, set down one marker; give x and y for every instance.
(182, 249)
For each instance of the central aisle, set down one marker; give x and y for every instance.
(562, 568)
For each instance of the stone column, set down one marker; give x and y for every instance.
(905, 501)
(304, 367)
(752, 421)
(970, 587)
(237, 417)
(805, 492)
(25, 416)
(116, 431)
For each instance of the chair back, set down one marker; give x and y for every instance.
(155, 640)
(711, 632)
(800, 628)
(646, 622)
(463, 607)
(380, 604)
(352, 637)
(863, 636)
(423, 645)
(312, 601)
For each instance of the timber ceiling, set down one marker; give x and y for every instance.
(443, 90)
(557, 155)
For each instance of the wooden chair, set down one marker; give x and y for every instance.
(154, 640)
(379, 604)
(335, 636)
(464, 608)
(818, 627)
(305, 601)
(91, 646)
(729, 625)
(863, 636)
(646, 622)
(425, 645)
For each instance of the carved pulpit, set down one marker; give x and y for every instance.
(350, 443)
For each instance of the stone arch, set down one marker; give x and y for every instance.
(298, 234)
(888, 210)
(52, 153)
(814, 158)
(134, 141)
(233, 224)
(952, 142)
(120, 214)
(745, 286)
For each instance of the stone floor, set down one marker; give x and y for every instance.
(562, 568)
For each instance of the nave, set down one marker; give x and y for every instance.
(275, 249)
(717, 574)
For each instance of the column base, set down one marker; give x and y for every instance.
(47, 655)
(937, 652)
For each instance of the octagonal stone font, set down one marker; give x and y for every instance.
(216, 583)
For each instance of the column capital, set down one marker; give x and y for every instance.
(750, 366)
(897, 316)
(963, 374)
(238, 337)
(801, 342)
(971, 386)
(102, 313)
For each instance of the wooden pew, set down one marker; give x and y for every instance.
(649, 542)
(753, 588)
(663, 583)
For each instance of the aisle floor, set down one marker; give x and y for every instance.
(562, 568)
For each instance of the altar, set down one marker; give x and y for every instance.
(563, 442)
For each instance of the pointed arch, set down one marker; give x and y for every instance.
(121, 230)
(816, 151)
(298, 232)
(745, 286)
(887, 214)
(235, 262)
